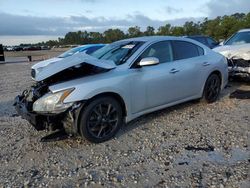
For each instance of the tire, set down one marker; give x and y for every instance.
(100, 120)
(212, 88)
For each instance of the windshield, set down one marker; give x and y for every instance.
(119, 52)
(70, 52)
(239, 38)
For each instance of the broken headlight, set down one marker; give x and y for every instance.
(53, 102)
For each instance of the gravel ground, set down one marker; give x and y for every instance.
(189, 145)
(22, 56)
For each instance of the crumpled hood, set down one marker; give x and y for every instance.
(241, 51)
(45, 62)
(65, 63)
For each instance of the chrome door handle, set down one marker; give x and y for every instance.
(173, 71)
(206, 64)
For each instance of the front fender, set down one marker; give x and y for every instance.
(87, 88)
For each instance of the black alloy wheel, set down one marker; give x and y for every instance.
(212, 88)
(101, 119)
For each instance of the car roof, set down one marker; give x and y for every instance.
(244, 30)
(152, 38)
(90, 45)
(196, 36)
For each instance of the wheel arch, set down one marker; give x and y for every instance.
(114, 95)
(85, 103)
(217, 72)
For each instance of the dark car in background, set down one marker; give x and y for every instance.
(208, 41)
(32, 48)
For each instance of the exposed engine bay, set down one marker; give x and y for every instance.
(71, 73)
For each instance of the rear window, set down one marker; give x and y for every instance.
(185, 50)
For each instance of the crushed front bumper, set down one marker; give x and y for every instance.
(33, 118)
(66, 120)
(239, 67)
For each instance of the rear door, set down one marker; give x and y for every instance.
(188, 61)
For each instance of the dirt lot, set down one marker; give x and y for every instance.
(39, 55)
(189, 145)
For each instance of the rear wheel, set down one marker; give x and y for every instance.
(101, 119)
(212, 88)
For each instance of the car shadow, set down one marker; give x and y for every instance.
(143, 120)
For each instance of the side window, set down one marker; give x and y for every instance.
(185, 50)
(161, 50)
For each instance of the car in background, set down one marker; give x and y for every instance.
(31, 48)
(13, 48)
(8, 48)
(93, 95)
(237, 50)
(18, 48)
(88, 49)
(45, 48)
(208, 41)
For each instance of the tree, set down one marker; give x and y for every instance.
(112, 35)
(191, 28)
(52, 43)
(149, 31)
(134, 32)
(164, 30)
(96, 37)
(246, 21)
(177, 31)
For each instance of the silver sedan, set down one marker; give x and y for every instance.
(93, 95)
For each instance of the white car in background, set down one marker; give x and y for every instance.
(237, 50)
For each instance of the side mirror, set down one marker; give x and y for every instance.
(148, 61)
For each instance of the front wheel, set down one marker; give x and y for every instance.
(101, 119)
(212, 88)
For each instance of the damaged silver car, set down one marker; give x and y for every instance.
(237, 50)
(92, 96)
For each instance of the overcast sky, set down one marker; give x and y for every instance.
(55, 18)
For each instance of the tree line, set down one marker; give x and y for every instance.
(219, 28)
